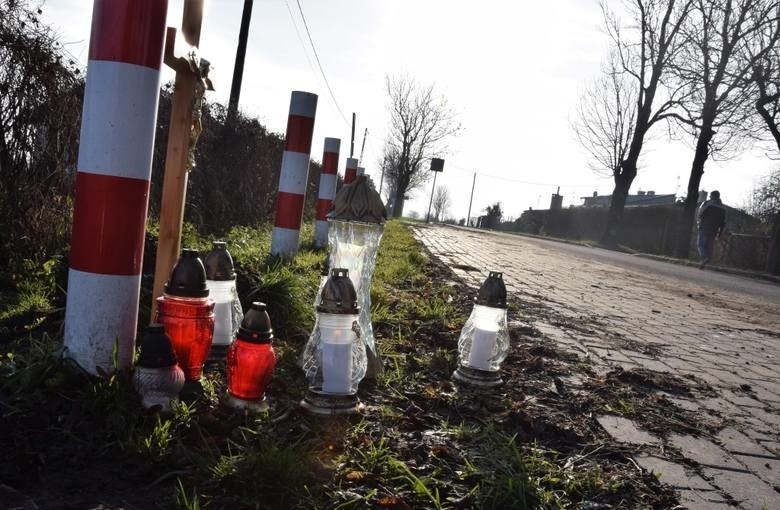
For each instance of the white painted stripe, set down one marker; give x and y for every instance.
(101, 309)
(332, 145)
(118, 120)
(352, 162)
(284, 241)
(361, 170)
(320, 233)
(303, 104)
(295, 172)
(327, 186)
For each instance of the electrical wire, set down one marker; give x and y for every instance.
(317, 57)
(300, 39)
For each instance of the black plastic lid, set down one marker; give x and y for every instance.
(188, 278)
(493, 291)
(156, 348)
(338, 294)
(256, 325)
(219, 263)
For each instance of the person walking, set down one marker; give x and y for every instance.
(712, 219)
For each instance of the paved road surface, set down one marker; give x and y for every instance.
(721, 328)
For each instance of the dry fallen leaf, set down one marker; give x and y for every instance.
(356, 476)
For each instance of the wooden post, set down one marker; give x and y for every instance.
(176, 158)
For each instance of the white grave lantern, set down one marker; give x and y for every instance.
(221, 282)
(335, 355)
(484, 340)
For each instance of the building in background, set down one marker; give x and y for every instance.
(641, 199)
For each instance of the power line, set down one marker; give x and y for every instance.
(300, 39)
(518, 181)
(317, 57)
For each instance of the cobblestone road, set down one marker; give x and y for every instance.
(638, 317)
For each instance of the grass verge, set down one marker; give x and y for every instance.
(422, 443)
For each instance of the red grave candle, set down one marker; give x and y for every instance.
(251, 358)
(188, 314)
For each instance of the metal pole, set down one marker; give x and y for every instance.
(428, 216)
(381, 181)
(238, 68)
(327, 190)
(473, 183)
(294, 174)
(112, 183)
(363, 147)
(352, 140)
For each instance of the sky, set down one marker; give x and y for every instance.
(513, 71)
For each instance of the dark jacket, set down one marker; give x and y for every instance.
(712, 217)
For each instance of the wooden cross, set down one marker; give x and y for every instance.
(183, 131)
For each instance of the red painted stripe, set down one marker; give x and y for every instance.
(289, 209)
(350, 174)
(109, 221)
(130, 31)
(299, 132)
(323, 206)
(330, 162)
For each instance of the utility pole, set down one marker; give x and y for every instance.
(363, 146)
(238, 68)
(352, 139)
(473, 183)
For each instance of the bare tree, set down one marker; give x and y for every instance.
(765, 204)
(766, 197)
(40, 108)
(420, 123)
(726, 39)
(617, 112)
(493, 216)
(441, 202)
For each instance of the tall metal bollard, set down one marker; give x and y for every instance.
(112, 181)
(350, 172)
(327, 190)
(294, 174)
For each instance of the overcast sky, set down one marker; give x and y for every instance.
(513, 70)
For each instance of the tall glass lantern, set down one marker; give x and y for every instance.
(335, 355)
(484, 340)
(357, 222)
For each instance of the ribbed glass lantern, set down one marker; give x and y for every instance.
(335, 356)
(158, 379)
(356, 225)
(484, 340)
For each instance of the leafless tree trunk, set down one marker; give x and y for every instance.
(441, 202)
(420, 123)
(618, 112)
(725, 39)
(766, 76)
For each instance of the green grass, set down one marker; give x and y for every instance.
(411, 449)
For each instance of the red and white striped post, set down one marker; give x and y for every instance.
(327, 190)
(112, 182)
(350, 172)
(294, 174)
